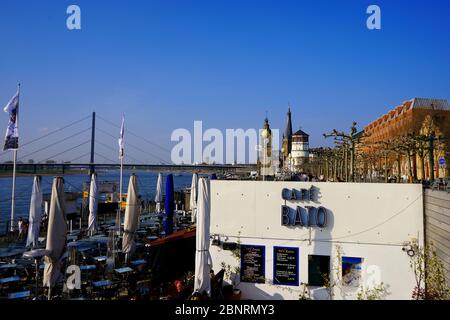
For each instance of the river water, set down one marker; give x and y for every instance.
(146, 185)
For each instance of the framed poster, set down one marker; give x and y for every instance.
(253, 260)
(286, 266)
(352, 271)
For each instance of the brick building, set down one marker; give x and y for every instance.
(415, 119)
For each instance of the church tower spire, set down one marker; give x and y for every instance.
(288, 131)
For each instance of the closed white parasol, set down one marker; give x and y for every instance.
(203, 263)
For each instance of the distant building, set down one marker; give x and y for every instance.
(265, 163)
(295, 148)
(300, 150)
(287, 137)
(415, 117)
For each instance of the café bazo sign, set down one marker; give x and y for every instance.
(302, 215)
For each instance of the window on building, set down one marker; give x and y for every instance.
(318, 270)
(351, 271)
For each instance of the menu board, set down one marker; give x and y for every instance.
(285, 266)
(253, 263)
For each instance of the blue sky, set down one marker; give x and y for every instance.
(168, 63)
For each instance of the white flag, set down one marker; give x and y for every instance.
(12, 132)
(121, 144)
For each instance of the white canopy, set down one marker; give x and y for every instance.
(56, 234)
(159, 193)
(93, 203)
(203, 263)
(35, 213)
(132, 212)
(194, 195)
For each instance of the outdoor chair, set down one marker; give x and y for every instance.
(435, 185)
(111, 292)
(143, 289)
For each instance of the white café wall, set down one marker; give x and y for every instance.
(371, 221)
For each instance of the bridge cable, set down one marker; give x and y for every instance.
(105, 158)
(134, 147)
(110, 148)
(54, 143)
(70, 149)
(50, 133)
(135, 135)
(84, 155)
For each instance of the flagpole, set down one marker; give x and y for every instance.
(13, 195)
(121, 154)
(120, 191)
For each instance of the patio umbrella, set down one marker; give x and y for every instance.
(169, 206)
(194, 193)
(93, 204)
(159, 194)
(56, 234)
(203, 263)
(35, 213)
(131, 217)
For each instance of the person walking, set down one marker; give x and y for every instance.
(20, 225)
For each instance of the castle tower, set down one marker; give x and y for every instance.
(300, 150)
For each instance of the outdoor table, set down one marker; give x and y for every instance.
(9, 280)
(74, 244)
(72, 238)
(138, 262)
(101, 239)
(10, 254)
(8, 266)
(123, 270)
(100, 258)
(151, 238)
(102, 283)
(88, 267)
(19, 295)
(97, 236)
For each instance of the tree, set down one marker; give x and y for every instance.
(348, 142)
(429, 273)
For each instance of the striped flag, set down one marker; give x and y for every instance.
(121, 143)
(12, 132)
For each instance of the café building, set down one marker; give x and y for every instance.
(290, 240)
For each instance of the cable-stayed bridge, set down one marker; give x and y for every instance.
(90, 143)
(66, 167)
